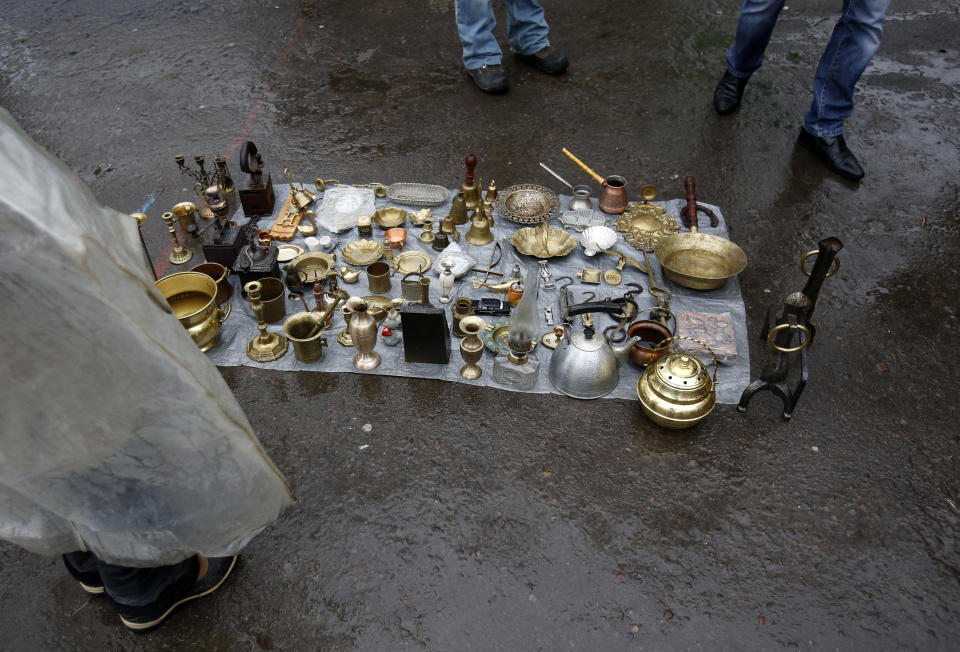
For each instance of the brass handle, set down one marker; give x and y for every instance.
(833, 269)
(693, 339)
(225, 310)
(779, 327)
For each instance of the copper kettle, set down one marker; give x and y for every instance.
(677, 392)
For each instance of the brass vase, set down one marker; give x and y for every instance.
(471, 347)
(363, 333)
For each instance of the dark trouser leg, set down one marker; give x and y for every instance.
(84, 568)
(138, 587)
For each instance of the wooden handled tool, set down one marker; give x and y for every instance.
(596, 177)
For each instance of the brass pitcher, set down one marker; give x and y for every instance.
(677, 392)
(479, 233)
(363, 333)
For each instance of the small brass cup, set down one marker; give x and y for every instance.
(219, 274)
(192, 296)
(298, 329)
(273, 294)
(378, 276)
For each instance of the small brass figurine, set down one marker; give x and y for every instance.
(264, 347)
(179, 255)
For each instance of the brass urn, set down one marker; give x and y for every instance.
(677, 392)
(363, 332)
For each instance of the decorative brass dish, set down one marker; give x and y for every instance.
(543, 241)
(417, 194)
(644, 224)
(287, 252)
(362, 252)
(411, 261)
(389, 217)
(314, 266)
(527, 203)
(378, 306)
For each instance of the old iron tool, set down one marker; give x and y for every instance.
(793, 325)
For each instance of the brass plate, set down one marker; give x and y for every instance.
(543, 241)
(315, 266)
(411, 261)
(362, 252)
(528, 203)
(550, 340)
(643, 225)
(389, 217)
(378, 305)
(287, 252)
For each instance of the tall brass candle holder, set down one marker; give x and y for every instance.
(179, 255)
(264, 347)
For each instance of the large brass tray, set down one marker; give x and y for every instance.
(543, 241)
(527, 203)
(411, 261)
(314, 266)
(644, 224)
(362, 252)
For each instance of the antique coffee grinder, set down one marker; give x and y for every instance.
(256, 259)
(256, 191)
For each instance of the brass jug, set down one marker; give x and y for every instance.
(479, 233)
(677, 392)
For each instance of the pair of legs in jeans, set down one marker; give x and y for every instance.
(526, 29)
(853, 43)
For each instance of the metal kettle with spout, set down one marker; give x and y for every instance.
(585, 364)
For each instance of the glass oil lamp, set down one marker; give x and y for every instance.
(514, 365)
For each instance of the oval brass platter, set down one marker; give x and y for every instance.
(644, 224)
(527, 203)
(362, 252)
(411, 261)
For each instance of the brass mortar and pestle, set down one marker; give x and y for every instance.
(613, 197)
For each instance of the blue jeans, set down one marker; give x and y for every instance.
(526, 28)
(855, 39)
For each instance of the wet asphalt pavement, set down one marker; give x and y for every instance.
(477, 519)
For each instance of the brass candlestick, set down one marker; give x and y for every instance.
(179, 255)
(264, 347)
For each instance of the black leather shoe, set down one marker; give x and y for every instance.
(726, 97)
(833, 151)
(546, 60)
(490, 79)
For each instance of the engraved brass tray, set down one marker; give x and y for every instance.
(411, 261)
(417, 194)
(527, 203)
(543, 241)
(314, 266)
(644, 224)
(362, 252)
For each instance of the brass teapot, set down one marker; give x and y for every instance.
(677, 392)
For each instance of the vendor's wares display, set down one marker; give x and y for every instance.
(573, 286)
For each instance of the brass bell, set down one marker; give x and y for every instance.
(458, 211)
(479, 233)
(469, 187)
(492, 193)
(677, 392)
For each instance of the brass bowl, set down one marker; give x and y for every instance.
(528, 203)
(543, 241)
(314, 266)
(396, 236)
(362, 252)
(389, 217)
(699, 261)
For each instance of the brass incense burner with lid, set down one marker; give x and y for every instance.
(677, 392)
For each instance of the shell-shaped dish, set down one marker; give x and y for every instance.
(543, 241)
(596, 239)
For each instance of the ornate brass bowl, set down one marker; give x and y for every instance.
(528, 203)
(389, 217)
(700, 261)
(314, 266)
(362, 252)
(543, 241)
